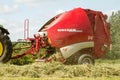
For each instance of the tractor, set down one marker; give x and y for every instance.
(5, 45)
(76, 36)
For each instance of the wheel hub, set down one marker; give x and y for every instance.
(86, 61)
(1, 49)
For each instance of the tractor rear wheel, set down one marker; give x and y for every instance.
(5, 47)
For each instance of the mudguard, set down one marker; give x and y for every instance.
(4, 30)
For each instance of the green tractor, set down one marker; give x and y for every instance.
(5, 45)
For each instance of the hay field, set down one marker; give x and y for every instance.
(108, 70)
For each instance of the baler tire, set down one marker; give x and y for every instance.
(86, 59)
(5, 47)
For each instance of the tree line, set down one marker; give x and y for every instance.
(114, 20)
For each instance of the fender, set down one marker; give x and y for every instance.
(4, 30)
(67, 51)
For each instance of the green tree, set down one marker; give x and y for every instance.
(115, 35)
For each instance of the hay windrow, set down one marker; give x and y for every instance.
(59, 70)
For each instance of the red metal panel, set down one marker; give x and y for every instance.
(70, 27)
(102, 38)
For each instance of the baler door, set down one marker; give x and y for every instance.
(101, 35)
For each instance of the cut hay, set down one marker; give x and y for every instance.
(59, 70)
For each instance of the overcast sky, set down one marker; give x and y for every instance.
(14, 12)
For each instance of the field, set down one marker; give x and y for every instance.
(53, 78)
(102, 70)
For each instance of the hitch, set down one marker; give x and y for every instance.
(36, 43)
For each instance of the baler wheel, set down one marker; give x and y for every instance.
(86, 59)
(5, 47)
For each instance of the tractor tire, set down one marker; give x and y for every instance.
(86, 59)
(5, 47)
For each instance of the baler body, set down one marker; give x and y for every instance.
(83, 27)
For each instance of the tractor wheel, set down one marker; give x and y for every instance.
(5, 47)
(86, 59)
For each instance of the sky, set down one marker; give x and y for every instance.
(14, 12)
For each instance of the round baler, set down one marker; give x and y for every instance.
(79, 35)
